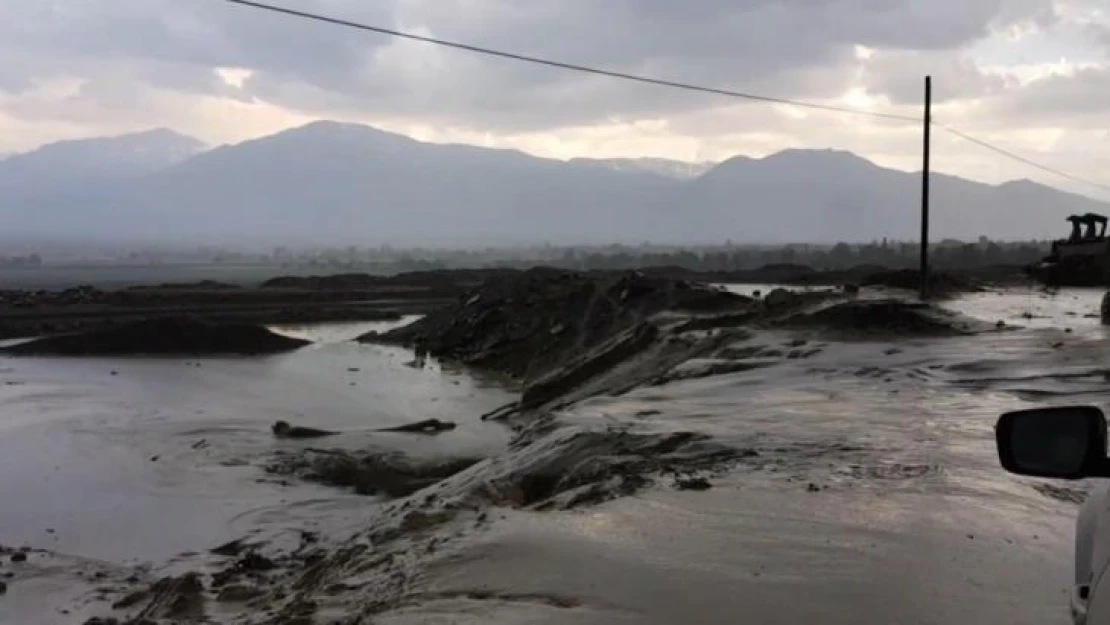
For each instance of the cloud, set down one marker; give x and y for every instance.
(1075, 98)
(791, 49)
(898, 75)
(223, 72)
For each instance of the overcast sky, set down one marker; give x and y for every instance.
(1030, 75)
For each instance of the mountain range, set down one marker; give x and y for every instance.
(339, 183)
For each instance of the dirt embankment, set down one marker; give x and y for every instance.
(940, 284)
(37, 313)
(181, 335)
(883, 319)
(526, 325)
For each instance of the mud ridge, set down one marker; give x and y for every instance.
(884, 317)
(368, 473)
(178, 335)
(529, 324)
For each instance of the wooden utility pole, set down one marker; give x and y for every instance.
(925, 190)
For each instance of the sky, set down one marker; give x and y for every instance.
(1031, 76)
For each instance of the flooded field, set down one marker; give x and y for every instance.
(866, 488)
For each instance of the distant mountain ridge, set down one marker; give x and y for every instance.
(679, 170)
(108, 157)
(340, 183)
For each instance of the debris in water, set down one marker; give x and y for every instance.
(282, 429)
(368, 473)
(427, 426)
(231, 548)
(692, 483)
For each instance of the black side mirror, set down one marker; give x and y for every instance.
(1066, 442)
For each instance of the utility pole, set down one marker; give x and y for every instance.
(925, 190)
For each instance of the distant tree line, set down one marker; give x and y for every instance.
(30, 260)
(947, 254)
(894, 255)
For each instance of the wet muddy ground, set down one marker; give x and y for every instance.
(861, 486)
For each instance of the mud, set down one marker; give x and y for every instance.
(374, 570)
(571, 336)
(427, 426)
(941, 284)
(749, 407)
(366, 473)
(529, 324)
(1061, 493)
(162, 336)
(364, 297)
(782, 301)
(71, 589)
(282, 429)
(37, 313)
(875, 318)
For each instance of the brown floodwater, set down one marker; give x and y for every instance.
(874, 496)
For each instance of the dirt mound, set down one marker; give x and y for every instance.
(940, 283)
(374, 569)
(166, 335)
(529, 324)
(885, 316)
(367, 472)
(564, 468)
(784, 300)
(575, 466)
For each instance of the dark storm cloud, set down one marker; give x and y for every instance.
(799, 48)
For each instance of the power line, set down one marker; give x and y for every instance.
(1021, 159)
(655, 81)
(569, 66)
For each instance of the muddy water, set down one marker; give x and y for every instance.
(143, 459)
(872, 493)
(874, 496)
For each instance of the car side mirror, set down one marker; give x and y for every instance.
(1066, 442)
